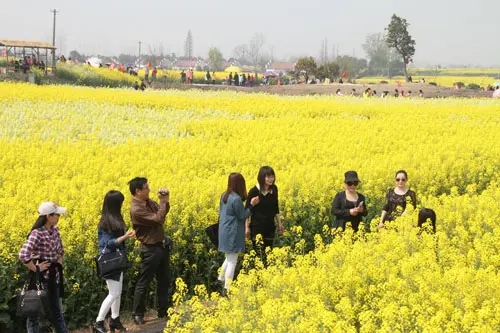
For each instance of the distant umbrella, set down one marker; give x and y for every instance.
(232, 69)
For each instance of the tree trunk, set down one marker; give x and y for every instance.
(405, 69)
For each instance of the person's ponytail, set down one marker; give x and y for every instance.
(39, 223)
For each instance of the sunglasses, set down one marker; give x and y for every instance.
(352, 183)
(400, 179)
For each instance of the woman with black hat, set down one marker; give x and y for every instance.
(349, 205)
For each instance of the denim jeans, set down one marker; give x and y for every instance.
(56, 319)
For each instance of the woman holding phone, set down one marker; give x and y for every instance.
(349, 205)
(112, 235)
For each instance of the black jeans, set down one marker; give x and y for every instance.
(260, 248)
(155, 263)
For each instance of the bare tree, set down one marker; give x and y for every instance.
(154, 51)
(240, 52)
(188, 45)
(265, 58)
(255, 46)
(161, 50)
(377, 51)
(62, 43)
(323, 54)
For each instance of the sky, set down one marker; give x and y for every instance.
(446, 32)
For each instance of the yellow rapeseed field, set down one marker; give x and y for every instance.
(445, 81)
(172, 74)
(72, 144)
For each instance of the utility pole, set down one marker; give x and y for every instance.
(139, 53)
(326, 50)
(54, 39)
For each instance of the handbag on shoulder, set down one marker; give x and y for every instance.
(33, 302)
(110, 262)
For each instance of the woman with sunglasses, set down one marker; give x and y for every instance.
(397, 198)
(349, 205)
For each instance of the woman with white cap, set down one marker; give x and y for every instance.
(43, 253)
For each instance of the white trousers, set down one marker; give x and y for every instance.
(227, 269)
(112, 301)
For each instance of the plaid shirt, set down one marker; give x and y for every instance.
(43, 244)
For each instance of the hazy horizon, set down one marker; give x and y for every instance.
(445, 32)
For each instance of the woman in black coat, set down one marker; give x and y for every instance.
(265, 217)
(349, 205)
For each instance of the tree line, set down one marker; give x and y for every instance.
(388, 54)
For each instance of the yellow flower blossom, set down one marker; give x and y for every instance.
(71, 145)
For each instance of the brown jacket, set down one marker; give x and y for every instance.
(147, 219)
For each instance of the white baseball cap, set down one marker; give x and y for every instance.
(47, 208)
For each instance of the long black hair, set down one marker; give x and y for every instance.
(111, 216)
(264, 172)
(39, 223)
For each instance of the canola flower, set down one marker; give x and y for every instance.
(175, 74)
(440, 80)
(73, 144)
(84, 75)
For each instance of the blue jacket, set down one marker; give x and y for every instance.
(107, 242)
(232, 216)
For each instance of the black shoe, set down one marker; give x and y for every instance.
(115, 324)
(218, 286)
(139, 320)
(162, 314)
(99, 327)
(223, 293)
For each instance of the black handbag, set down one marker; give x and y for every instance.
(213, 233)
(111, 262)
(33, 302)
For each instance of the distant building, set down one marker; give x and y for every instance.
(189, 64)
(280, 67)
(184, 64)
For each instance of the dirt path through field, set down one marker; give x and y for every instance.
(152, 325)
(429, 91)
